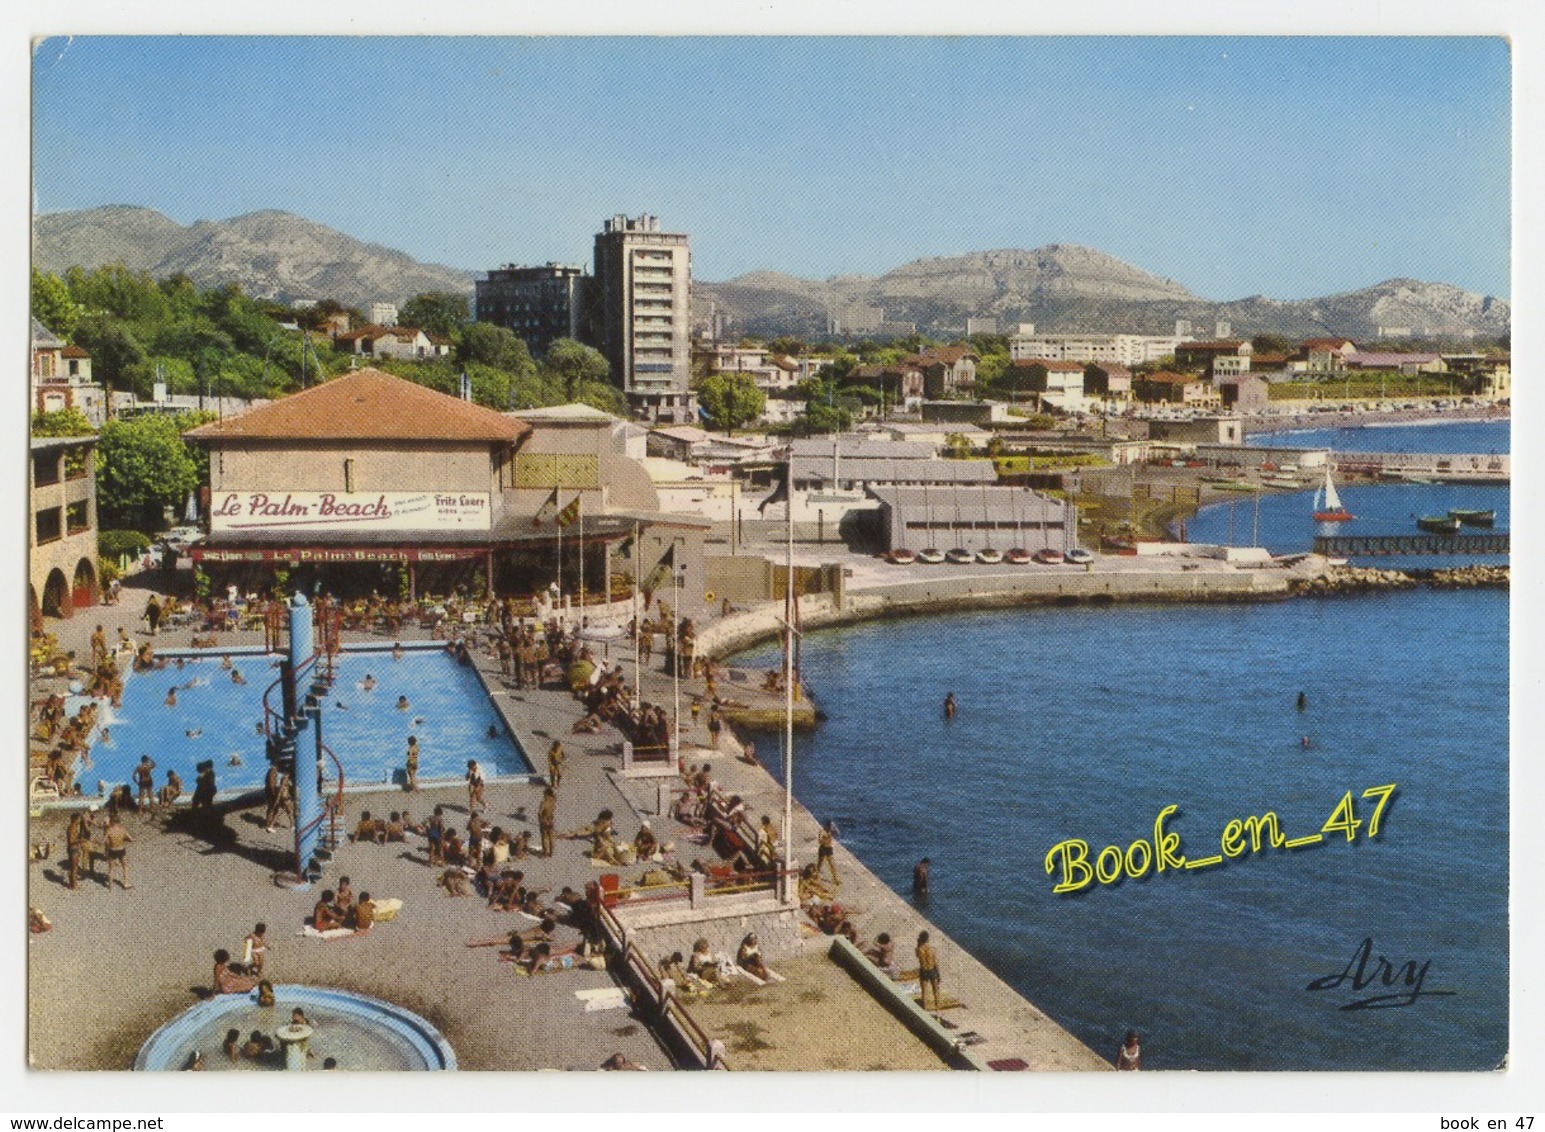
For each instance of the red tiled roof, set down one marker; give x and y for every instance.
(1109, 369)
(399, 332)
(1050, 365)
(366, 405)
(949, 355)
(73, 352)
(784, 363)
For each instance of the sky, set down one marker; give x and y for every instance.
(1289, 167)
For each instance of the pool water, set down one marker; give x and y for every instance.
(216, 718)
(361, 1033)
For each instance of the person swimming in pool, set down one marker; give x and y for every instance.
(397, 652)
(237, 677)
(171, 697)
(194, 733)
(402, 703)
(368, 684)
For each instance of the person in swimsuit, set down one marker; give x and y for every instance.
(927, 971)
(1130, 1055)
(412, 770)
(117, 839)
(825, 852)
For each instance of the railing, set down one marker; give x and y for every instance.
(332, 807)
(1357, 546)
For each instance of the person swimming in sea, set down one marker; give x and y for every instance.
(194, 733)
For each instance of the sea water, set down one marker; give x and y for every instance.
(1087, 723)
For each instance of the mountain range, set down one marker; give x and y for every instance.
(1059, 287)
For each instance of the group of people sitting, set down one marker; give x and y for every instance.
(607, 848)
(703, 970)
(338, 908)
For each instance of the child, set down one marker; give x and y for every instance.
(257, 949)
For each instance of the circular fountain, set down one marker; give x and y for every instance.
(356, 1031)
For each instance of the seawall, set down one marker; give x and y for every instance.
(938, 595)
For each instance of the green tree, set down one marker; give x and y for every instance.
(52, 304)
(569, 364)
(486, 344)
(115, 290)
(820, 417)
(143, 465)
(438, 312)
(731, 400)
(787, 344)
(114, 350)
(1271, 344)
(956, 446)
(61, 422)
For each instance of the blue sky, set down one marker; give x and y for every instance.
(1285, 167)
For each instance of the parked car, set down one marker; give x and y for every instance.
(1078, 556)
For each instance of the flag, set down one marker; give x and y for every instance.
(546, 509)
(660, 574)
(569, 513)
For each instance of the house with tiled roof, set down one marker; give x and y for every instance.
(61, 377)
(1217, 359)
(1108, 380)
(1323, 355)
(1174, 388)
(946, 369)
(391, 342)
(1052, 381)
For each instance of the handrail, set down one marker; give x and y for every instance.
(331, 807)
(669, 1006)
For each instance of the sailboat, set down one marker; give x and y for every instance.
(1327, 504)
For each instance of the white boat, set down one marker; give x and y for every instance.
(1327, 503)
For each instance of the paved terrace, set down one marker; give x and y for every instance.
(820, 1018)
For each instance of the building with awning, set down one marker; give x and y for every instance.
(372, 482)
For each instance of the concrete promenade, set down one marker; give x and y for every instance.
(113, 958)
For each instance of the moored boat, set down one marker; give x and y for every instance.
(1438, 524)
(901, 556)
(989, 556)
(931, 555)
(1485, 518)
(1018, 556)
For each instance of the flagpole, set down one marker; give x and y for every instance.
(675, 651)
(557, 515)
(638, 628)
(788, 702)
(582, 558)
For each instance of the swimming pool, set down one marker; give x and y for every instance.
(360, 1032)
(216, 718)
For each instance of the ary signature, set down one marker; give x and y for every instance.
(1395, 983)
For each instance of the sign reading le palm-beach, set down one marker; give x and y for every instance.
(1018, 603)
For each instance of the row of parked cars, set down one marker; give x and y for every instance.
(989, 556)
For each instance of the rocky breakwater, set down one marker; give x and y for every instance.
(1367, 579)
(1466, 578)
(1353, 580)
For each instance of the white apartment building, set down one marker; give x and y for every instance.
(644, 285)
(1122, 349)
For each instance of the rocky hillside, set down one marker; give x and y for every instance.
(1057, 287)
(1064, 288)
(270, 254)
